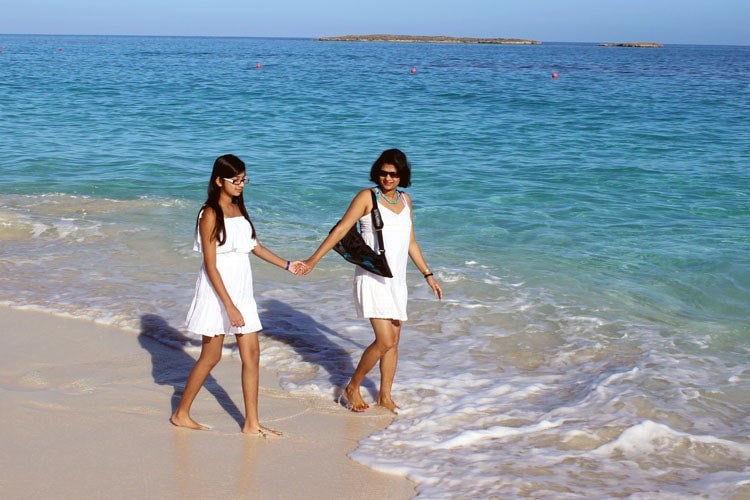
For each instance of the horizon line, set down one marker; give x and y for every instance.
(301, 37)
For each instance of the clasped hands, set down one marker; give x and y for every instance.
(300, 268)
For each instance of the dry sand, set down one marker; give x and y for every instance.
(85, 412)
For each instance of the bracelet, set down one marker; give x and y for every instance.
(427, 275)
(287, 265)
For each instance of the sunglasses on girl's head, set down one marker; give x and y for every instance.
(395, 175)
(237, 182)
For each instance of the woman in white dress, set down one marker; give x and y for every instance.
(223, 302)
(382, 300)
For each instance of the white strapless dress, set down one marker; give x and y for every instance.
(207, 315)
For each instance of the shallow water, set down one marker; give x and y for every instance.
(591, 233)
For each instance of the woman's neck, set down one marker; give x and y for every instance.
(392, 197)
(229, 207)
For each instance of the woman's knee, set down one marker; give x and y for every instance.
(387, 334)
(250, 356)
(211, 351)
(249, 349)
(210, 359)
(386, 344)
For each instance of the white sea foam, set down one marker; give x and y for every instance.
(651, 438)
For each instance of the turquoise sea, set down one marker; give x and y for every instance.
(591, 233)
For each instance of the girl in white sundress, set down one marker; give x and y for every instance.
(382, 300)
(223, 302)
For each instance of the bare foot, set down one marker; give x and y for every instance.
(187, 422)
(388, 404)
(263, 432)
(356, 403)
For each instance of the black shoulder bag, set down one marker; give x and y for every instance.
(354, 249)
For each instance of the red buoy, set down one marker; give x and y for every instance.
(555, 75)
(257, 65)
(413, 70)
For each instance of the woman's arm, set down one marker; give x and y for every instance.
(415, 252)
(360, 206)
(208, 246)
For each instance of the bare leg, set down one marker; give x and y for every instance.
(209, 357)
(384, 341)
(388, 364)
(250, 355)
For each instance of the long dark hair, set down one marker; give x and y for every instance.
(225, 167)
(394, 157)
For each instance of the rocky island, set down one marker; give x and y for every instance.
(647, 45)
(428, 39)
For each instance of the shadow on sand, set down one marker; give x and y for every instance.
(311, 340)
(170, 364)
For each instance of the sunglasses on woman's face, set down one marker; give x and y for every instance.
(385, 173)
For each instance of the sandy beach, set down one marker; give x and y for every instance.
(85, 409)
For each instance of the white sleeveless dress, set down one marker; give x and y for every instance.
(376, 296)
(207, 315)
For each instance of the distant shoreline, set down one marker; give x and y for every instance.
(647, 45)
(425, 39)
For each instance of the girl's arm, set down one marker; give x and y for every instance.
(208, 244)
(294, 267)
(360, 206)
(415, 252)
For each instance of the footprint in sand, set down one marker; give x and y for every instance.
(33, 380)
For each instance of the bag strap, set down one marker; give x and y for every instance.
(377, 222)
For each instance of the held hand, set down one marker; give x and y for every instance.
(432, 282)
(308, 266)
(298, 268)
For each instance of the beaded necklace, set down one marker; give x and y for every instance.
(383, 196)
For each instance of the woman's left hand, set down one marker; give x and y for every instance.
(435, 287)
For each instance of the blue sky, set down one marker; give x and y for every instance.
(666, 21)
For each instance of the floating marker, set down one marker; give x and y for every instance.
(413, 70)
(257, 65)
(555, 75)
